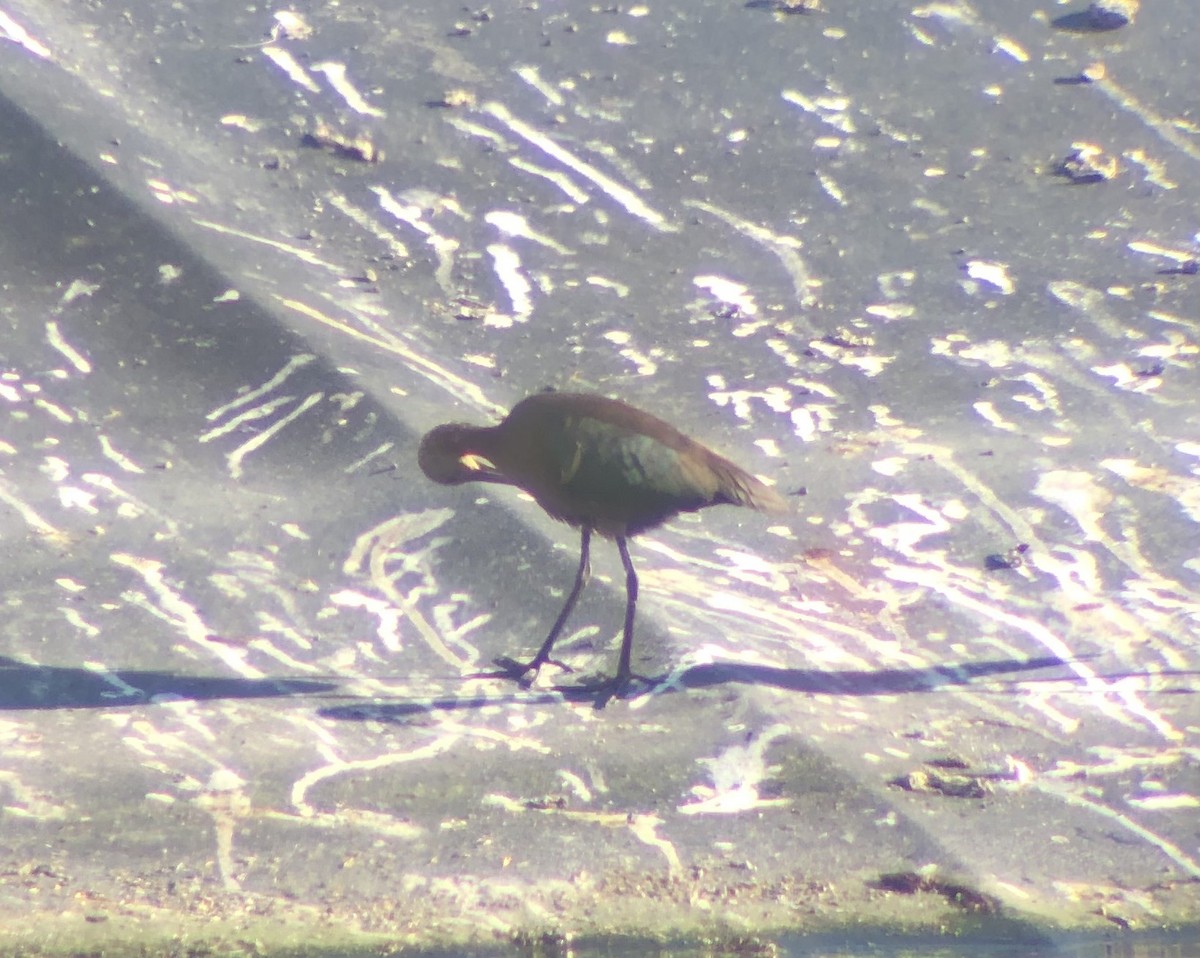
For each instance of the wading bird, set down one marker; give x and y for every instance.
(600, 465)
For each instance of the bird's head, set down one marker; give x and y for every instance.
(447, 456)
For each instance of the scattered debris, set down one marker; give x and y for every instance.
(926, 880)
(290, 25)
(799, 6)
(787, 8)
(471, 309)
(545, 804)
(1014, 558)
(1112, 14)
(1099, 16)
(952, 786)
(324, 136)
(848, 339)
(1088, 163)
(991, 273)
(453, 99)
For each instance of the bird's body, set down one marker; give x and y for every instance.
(600, 465)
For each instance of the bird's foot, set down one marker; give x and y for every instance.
(607, 688)
(518, 671)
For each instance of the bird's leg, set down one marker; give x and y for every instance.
(607, 688)
(624, 672)
(518, 669)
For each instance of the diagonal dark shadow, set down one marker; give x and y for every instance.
(878, 682)
(24, 686)
(875, 682)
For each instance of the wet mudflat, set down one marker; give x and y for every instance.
(932, 266)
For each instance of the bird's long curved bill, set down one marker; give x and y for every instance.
(482, 469)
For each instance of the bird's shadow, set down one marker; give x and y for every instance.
(811, 681)
(26, 686)
(861, 682)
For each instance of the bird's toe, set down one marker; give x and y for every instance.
(608, 688)
(523, 672)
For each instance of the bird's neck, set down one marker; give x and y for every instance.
(484, 441)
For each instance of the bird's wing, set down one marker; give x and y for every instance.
(603, 464)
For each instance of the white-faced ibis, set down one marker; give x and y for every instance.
(600, 465)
